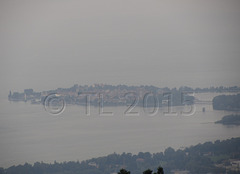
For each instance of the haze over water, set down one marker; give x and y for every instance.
(30, 134)
(53, 44)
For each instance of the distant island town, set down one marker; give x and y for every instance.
(118, 95)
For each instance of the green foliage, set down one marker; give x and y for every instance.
(124, 171)
(227, 102)
(196, 159)
(219, 158)
(148, 171)
(230, 120)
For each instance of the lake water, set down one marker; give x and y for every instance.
(28, 133)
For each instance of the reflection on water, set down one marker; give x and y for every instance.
(29, 134)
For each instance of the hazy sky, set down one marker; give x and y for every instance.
(55, 43)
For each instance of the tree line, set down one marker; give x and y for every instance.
(148, 171)
(227, 102)
(201, 158)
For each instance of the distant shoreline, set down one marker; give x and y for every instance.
(207, 157)
(120, 95)
(230, 120)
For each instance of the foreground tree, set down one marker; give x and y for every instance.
(123, 171)
(148, 171)
(160, 170)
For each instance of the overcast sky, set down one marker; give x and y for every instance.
(49, 44)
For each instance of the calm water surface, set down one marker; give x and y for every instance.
(29, 134)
